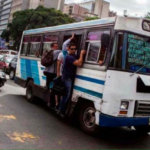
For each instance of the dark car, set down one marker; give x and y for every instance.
(12, 68)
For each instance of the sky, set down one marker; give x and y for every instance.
(134, 7)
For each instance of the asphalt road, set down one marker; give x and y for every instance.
(27, 126)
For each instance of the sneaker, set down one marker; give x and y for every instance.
(48, 105)
(62, 115)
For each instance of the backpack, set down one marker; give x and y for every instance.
(47, 59)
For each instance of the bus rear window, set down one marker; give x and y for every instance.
(35, 45)
(25, 45)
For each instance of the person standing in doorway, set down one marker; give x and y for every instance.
(68, 74)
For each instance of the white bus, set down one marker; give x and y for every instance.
(114, 93)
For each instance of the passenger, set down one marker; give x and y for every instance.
(50, 72)
(68, 74)
(62, 55)
(60, 61)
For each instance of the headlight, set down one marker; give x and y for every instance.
(124, 105)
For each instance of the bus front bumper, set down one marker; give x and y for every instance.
(109, 121)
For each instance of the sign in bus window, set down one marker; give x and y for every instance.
(48, 40)
(25, 45)
(35, 46)
(138, 53)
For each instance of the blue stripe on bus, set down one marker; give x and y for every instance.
(42, 68)
(43, 77)
(29, 68)
(96, 94)
(90, 79)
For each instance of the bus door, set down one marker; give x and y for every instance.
(78, 41)
(90, 79)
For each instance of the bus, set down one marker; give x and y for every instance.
(112, 88)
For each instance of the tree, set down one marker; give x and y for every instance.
(91, 18)
(147, 15)
(32, 19)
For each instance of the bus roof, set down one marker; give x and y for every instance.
(131, 24)
(84, 24)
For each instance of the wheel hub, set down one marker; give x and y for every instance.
(89, 117)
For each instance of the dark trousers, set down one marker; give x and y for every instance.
(49, 78)
(67, 84)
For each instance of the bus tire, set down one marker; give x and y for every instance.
(30, 92)
(142, 129)
(87, 119)
(12, 74)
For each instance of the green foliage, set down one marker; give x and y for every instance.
(32, 19)
(5, 35)
(91, 18)
(147, 15)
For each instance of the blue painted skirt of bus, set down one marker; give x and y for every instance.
(109, 121)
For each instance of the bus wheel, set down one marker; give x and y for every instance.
(87, 119)
(29, 92)
(142, 129)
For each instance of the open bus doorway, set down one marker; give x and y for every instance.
(77, 41)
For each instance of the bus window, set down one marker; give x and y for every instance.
(48, 40)
(97, 44)
(25, 45)
(35, 45)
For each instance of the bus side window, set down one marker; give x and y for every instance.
(48, 40)
(35, 45)
(25, 44)
(97, 44)
(116, 58)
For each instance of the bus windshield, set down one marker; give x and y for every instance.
(131, 52)
(138, 53)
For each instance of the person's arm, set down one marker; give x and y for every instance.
(80, 61)
(67, 42)
(58, 68)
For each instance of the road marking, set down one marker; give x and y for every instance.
(4, 117)
(60, 142)
(22, 137)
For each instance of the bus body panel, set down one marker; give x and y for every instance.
(121, 86)
(28, 68)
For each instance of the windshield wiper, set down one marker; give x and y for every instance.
(140, 69)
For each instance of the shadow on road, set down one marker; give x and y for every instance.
(123, 138)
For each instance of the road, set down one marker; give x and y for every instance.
(27, 126)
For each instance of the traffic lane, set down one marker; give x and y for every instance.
(24, 125)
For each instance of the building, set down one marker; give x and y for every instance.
(99, 8)
(18, 5)
(57, 4)
(5, 9)
(90, 5)
(8, 7)
(75, 11)
(112, 14)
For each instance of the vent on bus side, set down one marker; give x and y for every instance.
(142, 108)
(141, 87)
